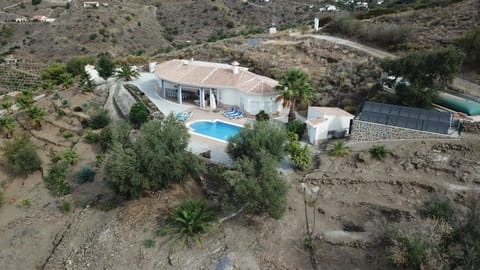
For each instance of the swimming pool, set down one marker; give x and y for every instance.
(218, 130)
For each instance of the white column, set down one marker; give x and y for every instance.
(164, 95)
(179, 94)
(202, 98)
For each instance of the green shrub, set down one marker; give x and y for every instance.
(262, 116)
(470, 43)
(149, 243)
(70, 156)
(262, 135)
(138, 114)
(77, 109)
(404, 251)
(384, 34)
(99, 120)
(76, 65)
(25, 202)
(440, 208)
(21, 155)
(54, 73)
(255, 184)
(378, 151)
(300, 156)
(66, 206)
(375, 12)
(36, 2)
(85, 174)
(105, 139)
(189, 221)
(91, 137)
(296, 126)
(55, 179)
(339, 149)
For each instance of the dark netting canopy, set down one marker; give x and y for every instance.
(406, 117)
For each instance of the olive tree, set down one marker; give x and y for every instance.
(21, 155)
(257, 185)
(266, 135)
(155, 160)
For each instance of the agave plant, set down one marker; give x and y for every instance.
(189, 221)
(378, 151)
(339, 149)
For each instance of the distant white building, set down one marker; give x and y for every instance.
(39, 18)
(330, 8)
(21, 19)
(361, 5)
(272, 30)
(91, 4)
(327, 122)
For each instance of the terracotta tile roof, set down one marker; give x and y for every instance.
(315, 121)
(332, 111)
(215, 75)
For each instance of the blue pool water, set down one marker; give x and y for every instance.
(218, 130)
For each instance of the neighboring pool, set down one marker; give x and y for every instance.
(215, 129)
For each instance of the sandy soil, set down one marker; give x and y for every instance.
(353, 192)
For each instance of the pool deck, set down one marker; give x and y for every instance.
(199, 144)
(148, 82)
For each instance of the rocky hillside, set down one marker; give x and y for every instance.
(440, 25)
(125, 27)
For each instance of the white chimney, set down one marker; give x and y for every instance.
(151, 66)
(235, 66)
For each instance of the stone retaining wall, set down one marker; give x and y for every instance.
(473, 127)
(366, 131)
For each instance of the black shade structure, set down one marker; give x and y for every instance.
(406, 117)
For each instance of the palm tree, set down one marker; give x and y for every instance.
(36, 115)
(25, 99)
(7, 125)
(189, 220)
(339, 149)
(126, 73)
(293, 86)
(66, 80)
(7, 106)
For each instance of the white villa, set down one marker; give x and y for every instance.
(228, 85)
(327, 122)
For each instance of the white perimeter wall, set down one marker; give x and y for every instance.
(339, 122)
(318, 133)
(251, 104)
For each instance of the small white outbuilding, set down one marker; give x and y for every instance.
(327, 122)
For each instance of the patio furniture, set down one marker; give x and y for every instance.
(231, 110)
(227, 114)
(183, 116)
(239, 114)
